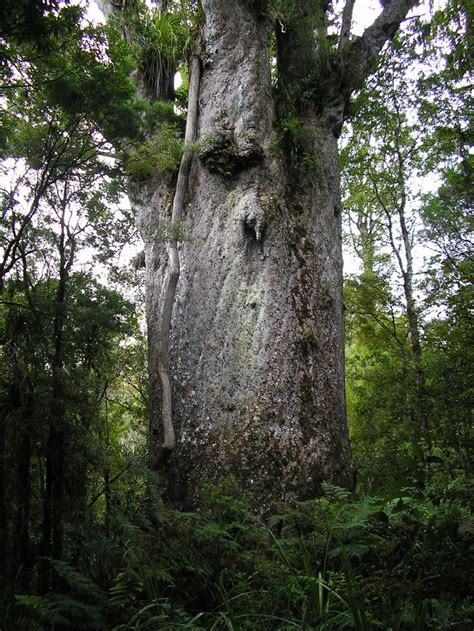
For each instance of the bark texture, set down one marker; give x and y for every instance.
(257, 339)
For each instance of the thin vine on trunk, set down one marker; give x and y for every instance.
(170, 281)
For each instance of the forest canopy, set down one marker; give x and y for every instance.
(199, 475)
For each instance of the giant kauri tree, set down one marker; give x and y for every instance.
(243, 238)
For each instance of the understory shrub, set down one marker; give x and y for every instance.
(336, 562)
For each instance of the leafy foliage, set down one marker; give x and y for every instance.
(319, 564)
(160, 153)
(395, 143)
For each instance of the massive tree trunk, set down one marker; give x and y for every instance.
(257, 340)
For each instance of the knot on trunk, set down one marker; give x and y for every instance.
(228, 154)
(254, 222)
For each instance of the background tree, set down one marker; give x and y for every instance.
(392, 318)
(448, 226)
(59, 325)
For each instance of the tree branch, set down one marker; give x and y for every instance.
(365, 49)
(346, 22)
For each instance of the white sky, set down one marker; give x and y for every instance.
(365, 11)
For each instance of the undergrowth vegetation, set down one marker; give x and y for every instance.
(398, 562)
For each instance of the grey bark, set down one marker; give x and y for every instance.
(257, 339)
(257, 336)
